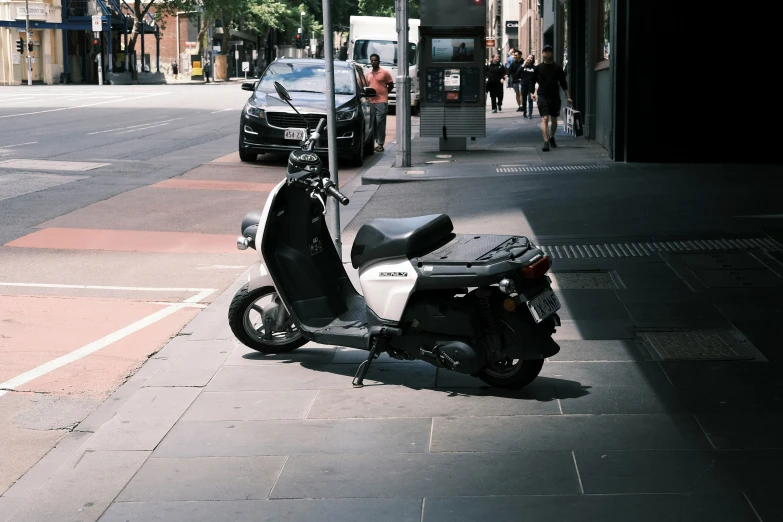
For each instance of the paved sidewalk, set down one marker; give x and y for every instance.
(620, 426)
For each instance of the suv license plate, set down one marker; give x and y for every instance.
(543, 305)
(294, 134)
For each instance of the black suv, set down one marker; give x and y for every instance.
(268, 124)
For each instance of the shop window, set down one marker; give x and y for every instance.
(603, 34)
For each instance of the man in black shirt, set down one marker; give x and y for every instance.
(515, 72)
(496, 73)
(548, 75)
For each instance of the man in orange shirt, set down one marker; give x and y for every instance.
(382, 81)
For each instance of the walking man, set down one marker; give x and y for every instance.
(496, 73)
(548, 75)
(515, 71)
(381, 80)
(528, 68)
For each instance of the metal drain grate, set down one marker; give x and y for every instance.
(553, 168)
(700, 345)
(648, 249)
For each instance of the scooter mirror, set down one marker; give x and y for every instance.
(282, 92)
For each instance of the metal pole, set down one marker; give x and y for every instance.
(211, 52)
(403, 85)
(331, 124)
(29, 41)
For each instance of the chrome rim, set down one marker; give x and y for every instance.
(254, 324)
(505, 368)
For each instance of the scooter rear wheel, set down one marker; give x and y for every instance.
(245, 320)
(512, 374)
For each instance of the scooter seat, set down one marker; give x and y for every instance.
(381, 239)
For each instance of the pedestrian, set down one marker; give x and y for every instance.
(175, 70)
(207, 69)
(548, 75)
(496, 73)
(528, 67)
(381, 80)
(515, 72)
(509, 60)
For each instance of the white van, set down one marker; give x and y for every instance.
(378, 35)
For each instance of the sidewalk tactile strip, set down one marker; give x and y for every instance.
(572, 251)
(558, 168)
(700, 345)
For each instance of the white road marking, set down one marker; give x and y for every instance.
(144, 128)
(222, 110)
(220, 267)
(93, 287)
(18, 145)
(133, 126)
(85, 105)
(105, 341)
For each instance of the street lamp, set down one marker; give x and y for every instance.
(301, 24)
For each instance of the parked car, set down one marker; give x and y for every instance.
(268, 124)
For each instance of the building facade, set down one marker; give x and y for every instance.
(47, 54)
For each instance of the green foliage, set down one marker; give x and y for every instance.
(386, 8)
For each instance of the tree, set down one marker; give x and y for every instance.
(386, 8)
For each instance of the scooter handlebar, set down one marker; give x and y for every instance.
(337, 195)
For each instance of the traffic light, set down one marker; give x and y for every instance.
(299, 41)
(30, 45)
(96, 45)
(20, 46)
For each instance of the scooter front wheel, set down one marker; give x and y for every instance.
(511, 373)
(245, 317)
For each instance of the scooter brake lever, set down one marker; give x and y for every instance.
(315, 195)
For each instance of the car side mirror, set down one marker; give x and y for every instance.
(370, 92)
(248, 86)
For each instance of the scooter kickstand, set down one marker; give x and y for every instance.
(358, 382)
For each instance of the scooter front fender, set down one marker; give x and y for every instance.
(258, 277)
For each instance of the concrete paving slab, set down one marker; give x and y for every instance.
(309, 353)
(287, 437)
(653, 471)
(591, 305)
(762, 398)
(143, 421)
(209, 325)
(355, 356)
(719, 373)
(676, 315)
(617, 508)
(380, 402)
(594, 329)
(82, 488)
(557, 432)
(606, 350)
(250, 405)
(617, 400)
(318, 376)
(223, 478)
(323, 510)
(195, 363)
(743, 431)
(395, 475)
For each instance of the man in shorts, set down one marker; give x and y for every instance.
(548, 75)
(515, 73)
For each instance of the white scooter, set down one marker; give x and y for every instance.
(475, 304)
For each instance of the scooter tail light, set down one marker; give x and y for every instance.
(537, 269)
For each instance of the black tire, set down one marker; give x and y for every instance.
(357, 160)
(242, 327)
(513, 375)
(247, 156)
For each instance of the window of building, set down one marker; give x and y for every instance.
(603, 34)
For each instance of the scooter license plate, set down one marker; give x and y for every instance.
(543, 305)
(294, 134)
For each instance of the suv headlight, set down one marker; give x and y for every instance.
(346, 115)
(253, 111)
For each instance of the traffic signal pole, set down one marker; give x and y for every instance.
(29, 43)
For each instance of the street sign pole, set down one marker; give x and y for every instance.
(403, 85)
(29, 42)
(331, 124)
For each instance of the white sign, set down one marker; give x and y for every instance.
(313, 44)
(236, 55)
(245, 66)
(16, 58)
(37, 12)
(97, 23)
(255, 54)
(216, 48)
